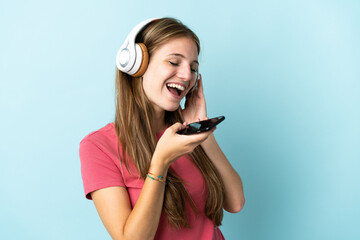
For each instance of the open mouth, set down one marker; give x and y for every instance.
(176, 89)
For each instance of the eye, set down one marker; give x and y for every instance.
(194, 70)
(173, 63)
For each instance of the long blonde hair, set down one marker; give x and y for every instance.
(137, 136)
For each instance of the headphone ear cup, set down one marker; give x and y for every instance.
(144, 61)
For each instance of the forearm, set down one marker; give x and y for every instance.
(234, 193)
(143, 221)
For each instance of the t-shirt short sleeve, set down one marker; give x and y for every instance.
(98, 169)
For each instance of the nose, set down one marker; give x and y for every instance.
(185, 73)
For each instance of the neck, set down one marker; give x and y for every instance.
(159, 120)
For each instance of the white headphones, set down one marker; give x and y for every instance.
(133, 58)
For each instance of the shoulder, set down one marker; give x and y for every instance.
(101, 137)
(99, 157)
(103, 141)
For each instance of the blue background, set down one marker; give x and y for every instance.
(284, 73)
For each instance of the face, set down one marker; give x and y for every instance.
(171, 73)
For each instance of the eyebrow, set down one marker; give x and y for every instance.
(182, 56)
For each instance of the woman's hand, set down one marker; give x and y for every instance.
(195, 104)
(171, 145)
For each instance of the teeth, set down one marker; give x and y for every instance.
(177, 86)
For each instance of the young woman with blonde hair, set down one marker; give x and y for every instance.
(147, 181)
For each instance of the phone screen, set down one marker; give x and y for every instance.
(202, 126)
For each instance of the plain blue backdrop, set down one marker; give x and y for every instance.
(284, 73)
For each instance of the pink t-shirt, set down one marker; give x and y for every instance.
(100, 168)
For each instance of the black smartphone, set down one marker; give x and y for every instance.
(201, 126)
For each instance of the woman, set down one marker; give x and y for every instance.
(147, 181)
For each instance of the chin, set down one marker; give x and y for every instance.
(172, 108)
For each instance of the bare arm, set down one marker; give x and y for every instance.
(113, 206)
(234, 193)
(141, 222)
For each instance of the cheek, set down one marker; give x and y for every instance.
(147, 86)
(152, 86)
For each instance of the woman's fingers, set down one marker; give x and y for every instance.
(177, 127)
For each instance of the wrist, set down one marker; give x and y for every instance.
(158, 165)
(209, 141)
